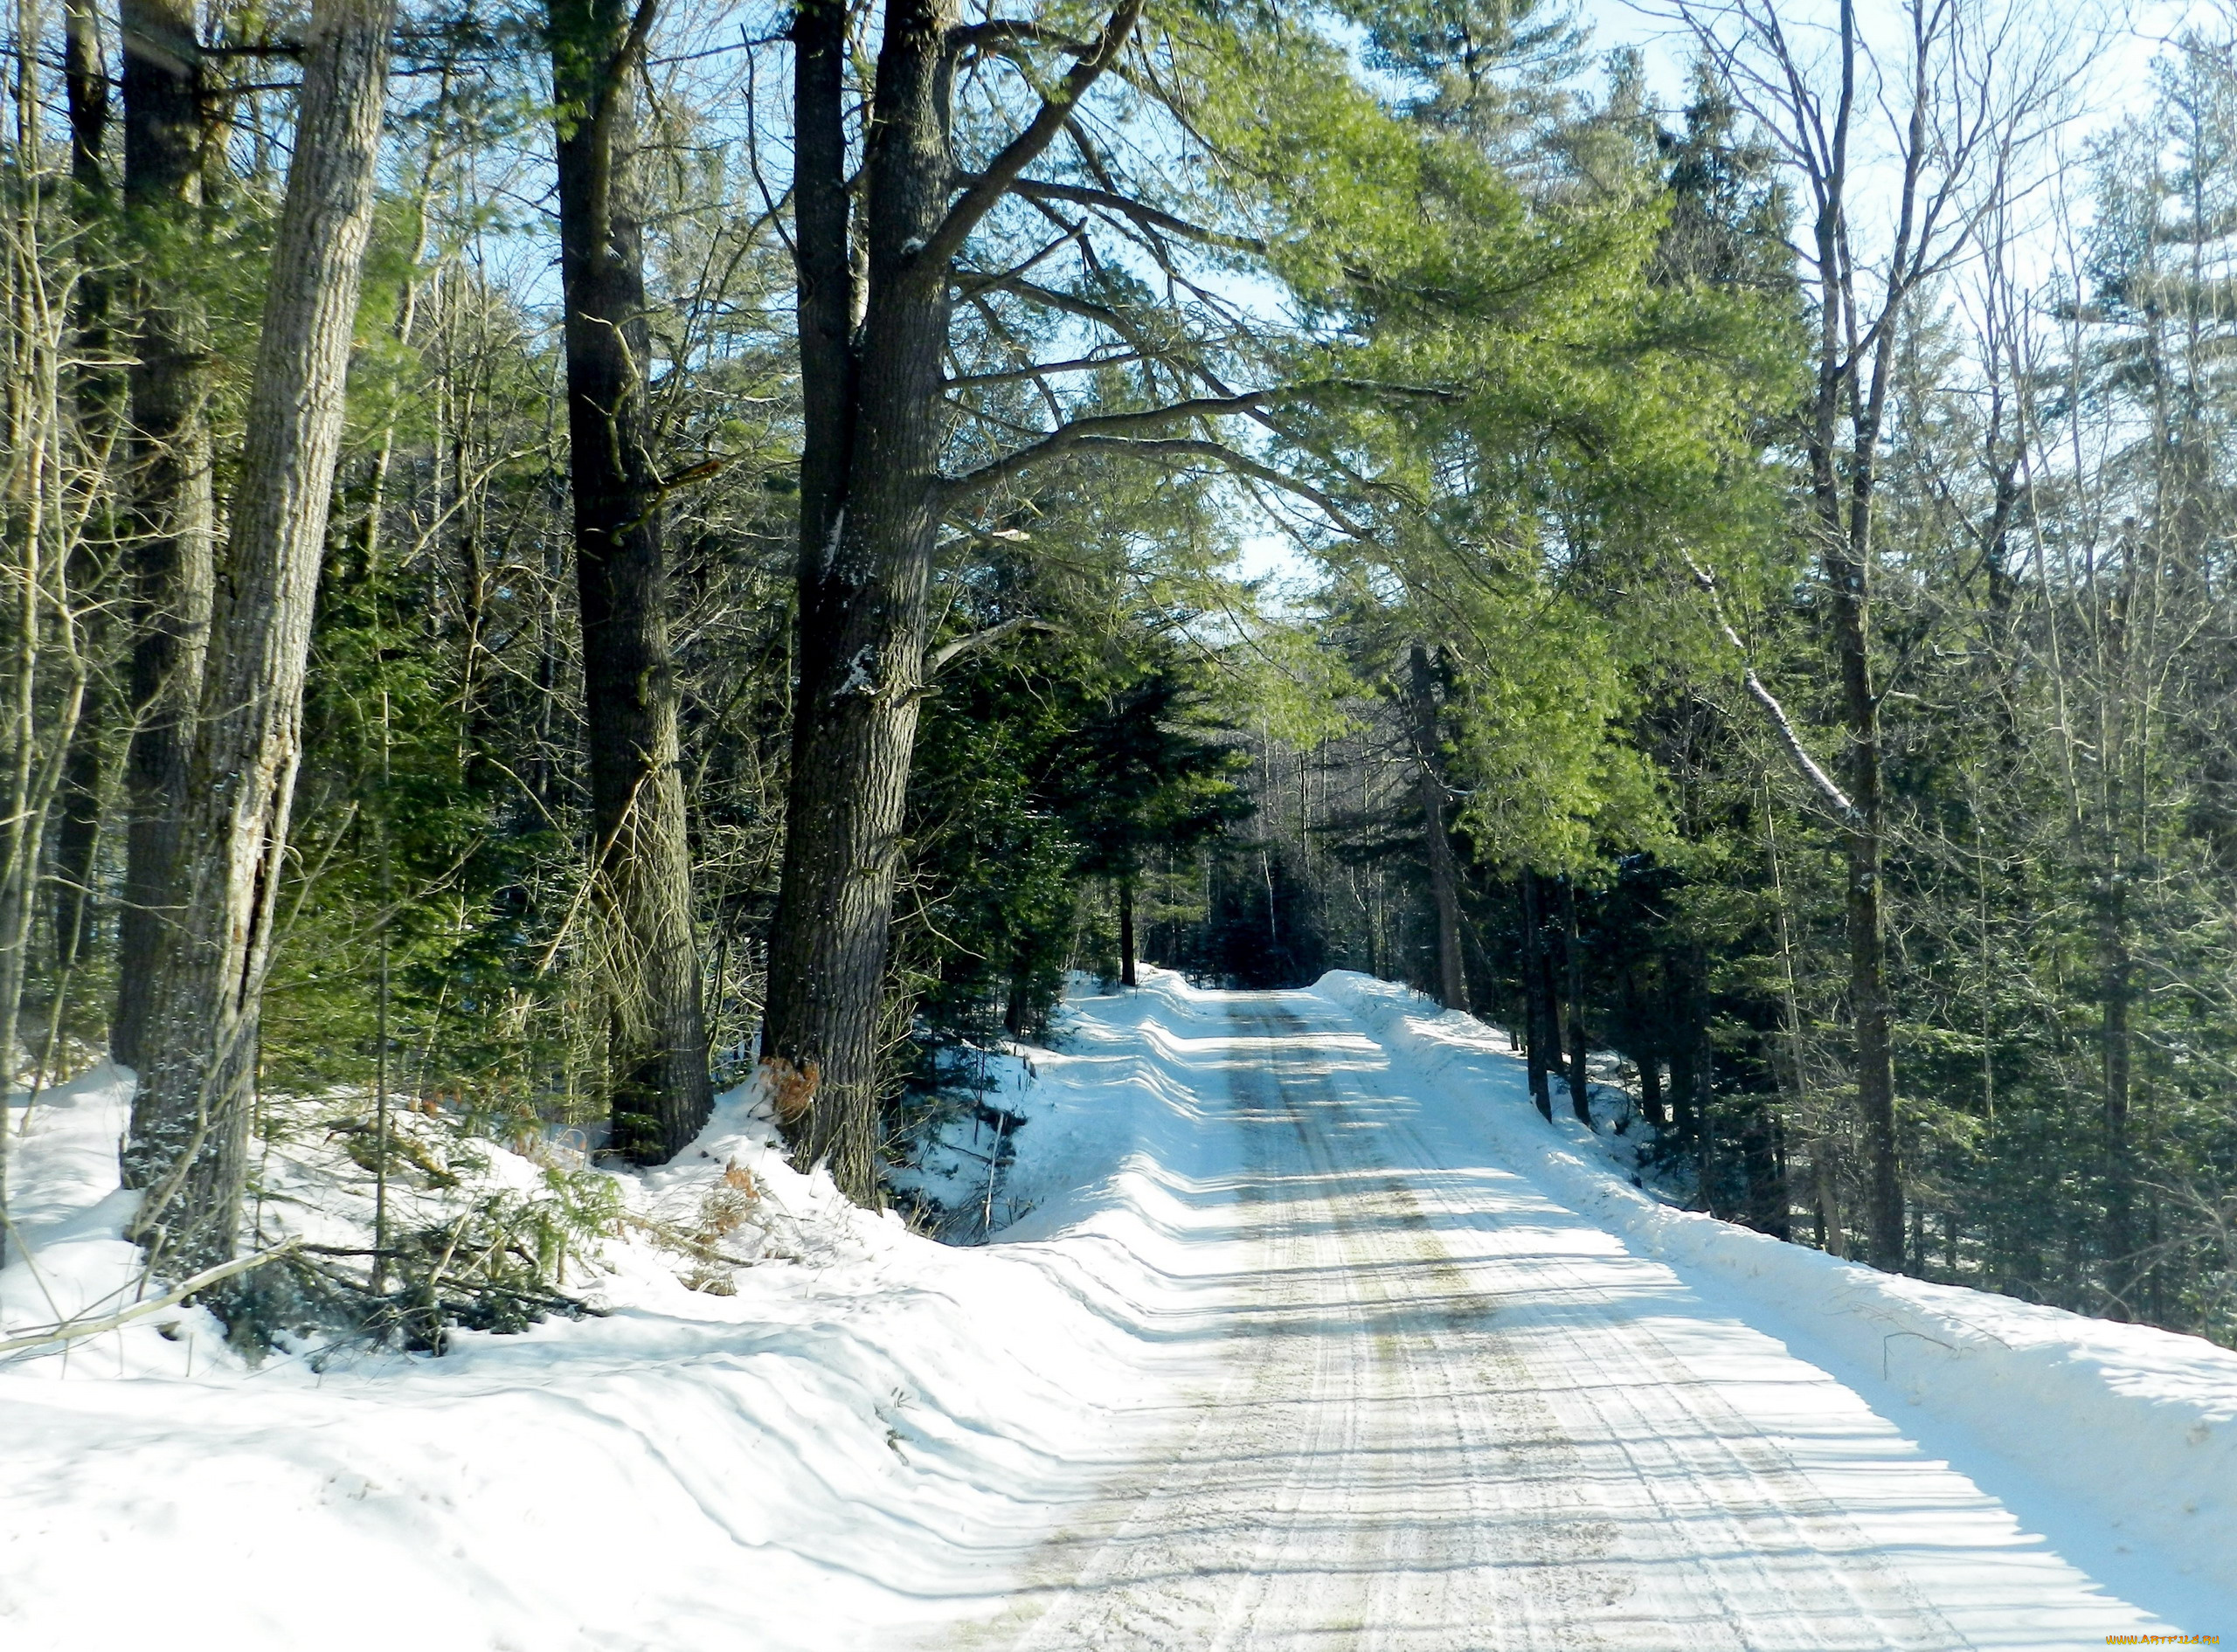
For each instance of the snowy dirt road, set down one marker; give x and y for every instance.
(1306, 1332)
(1448, 1412)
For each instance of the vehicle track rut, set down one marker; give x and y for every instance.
(1429, 1435)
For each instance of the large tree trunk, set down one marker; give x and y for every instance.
(865, 569)
(190, 1123)
(166, 106)
(871, 501)
(1445, 872)
(657, 1037)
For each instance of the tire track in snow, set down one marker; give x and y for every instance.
(1355, 1481)
(1454, 1415)
(1730, 1544)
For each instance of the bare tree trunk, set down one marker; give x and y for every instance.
(190, 1123)
(99, 391)
(1573, 957)
(166, 108)
(1126, 932)
(1844, 487)
(2117, 989)
(1536, 1034)
(1962, 99)
(863, 618)
(41, 696)
(85, 86)
(1826, 1184)
(1444, 874)
(1763, 1155)
(1863, 843)
(657, 1036)
(872, 498)
(1701, 1073)
(1651, 1091)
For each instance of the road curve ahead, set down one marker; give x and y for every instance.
(1452, 1415)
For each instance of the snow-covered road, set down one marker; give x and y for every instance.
(1311, 1334)
(1453, 1415)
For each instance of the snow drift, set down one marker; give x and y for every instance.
(863, 1442)
(851, 1448)
(2140, 1423)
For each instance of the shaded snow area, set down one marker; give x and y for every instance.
(1308, 1332)
(959, 1181)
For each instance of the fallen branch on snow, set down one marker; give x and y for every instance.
(72, 1330)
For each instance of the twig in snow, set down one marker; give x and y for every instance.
(72, 1330)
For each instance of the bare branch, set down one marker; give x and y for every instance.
(1070, 437)
(1220, 452)
(1782, 725)
(72, 1330)
(1151, 216)
(1077, 364)
(1010, 31)
(1020, 151)
(948, 653)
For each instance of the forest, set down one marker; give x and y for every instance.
(558, 560)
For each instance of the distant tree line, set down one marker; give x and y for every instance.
(2033, 790)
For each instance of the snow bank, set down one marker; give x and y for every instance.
(2139, 1422)
(857, 1445)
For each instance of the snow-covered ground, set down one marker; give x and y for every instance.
(1312, 1334)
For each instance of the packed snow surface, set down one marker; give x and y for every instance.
(1313, 1334)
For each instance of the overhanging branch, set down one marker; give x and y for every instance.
(1221, 453)
(1142, 213)
(1020, 151)
(1070, 437)
(948, 653)
(1010, 31)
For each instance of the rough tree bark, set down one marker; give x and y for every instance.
(166, 108)
(656, 1043)
(190, 1123)
(872, 498)
(1437, 837)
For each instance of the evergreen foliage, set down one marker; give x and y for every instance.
(1508, 366)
